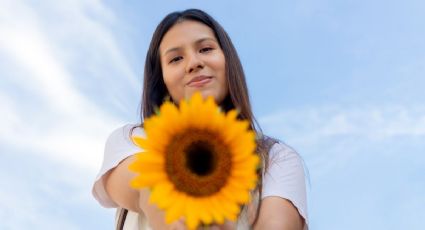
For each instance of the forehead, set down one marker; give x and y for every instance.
(185, 33)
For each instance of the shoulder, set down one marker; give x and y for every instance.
(284, 162)
(281, 152)
(119, 141)
(123, 134)
(284, 176)
(118, 147)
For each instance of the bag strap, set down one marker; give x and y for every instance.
(121, 219)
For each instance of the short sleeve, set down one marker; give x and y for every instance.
(118, 147)
(285, 178)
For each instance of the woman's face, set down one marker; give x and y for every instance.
(192, 60)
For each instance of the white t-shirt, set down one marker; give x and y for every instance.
(285, 177)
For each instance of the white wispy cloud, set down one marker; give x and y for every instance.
(40, 193)
(359, 157)
(343, 133)
(372, 122)
(47, 51)
(61, 60)
(23, 210)
(59, 120)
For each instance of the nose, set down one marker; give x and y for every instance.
(194, 63)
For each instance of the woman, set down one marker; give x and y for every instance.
(190, 52)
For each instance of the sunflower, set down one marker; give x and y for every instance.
(198, 162)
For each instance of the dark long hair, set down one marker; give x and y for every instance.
(154, 89)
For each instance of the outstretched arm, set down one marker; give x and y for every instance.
(117, 186)
(278, 213)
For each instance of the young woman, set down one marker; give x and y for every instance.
(190, 52)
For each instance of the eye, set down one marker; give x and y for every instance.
(176, 59)
(206, 49)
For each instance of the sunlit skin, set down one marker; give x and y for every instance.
(192, 60)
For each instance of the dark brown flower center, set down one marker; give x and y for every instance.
(200, 158)
(198, 162)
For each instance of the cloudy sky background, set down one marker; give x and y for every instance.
(340, 81)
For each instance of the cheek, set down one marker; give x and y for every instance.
(173, 80)
(220, 65)
(169, 77)
(219, 61)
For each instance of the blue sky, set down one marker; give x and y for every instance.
(340, 81)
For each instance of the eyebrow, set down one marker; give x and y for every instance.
(196, 42)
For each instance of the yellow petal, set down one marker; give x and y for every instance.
(177, 209)
(216, 210)
(139, 141)
(204, 211)
(147, 179)
(151, 157)
(238, 195)
(171, 115)
(192, 219)
(235, 128)
(203, 116)
(248, 164)
(143, 167)
(230, 208)
(162, 195)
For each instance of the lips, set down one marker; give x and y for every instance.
(199, 81)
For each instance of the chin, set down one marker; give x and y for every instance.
(208, 93)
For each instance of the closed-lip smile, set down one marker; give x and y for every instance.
(199, 81)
